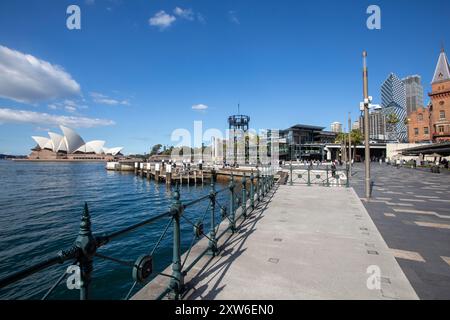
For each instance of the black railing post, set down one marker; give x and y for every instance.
(232, 207)
(258, 186)
(244, 196)
(212, 234)
(263, 184)
(252, 191)
(87, 246)
(177, 282)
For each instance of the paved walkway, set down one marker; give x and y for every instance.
(302, 243)
(411, 208)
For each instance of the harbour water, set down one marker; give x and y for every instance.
(40, 210)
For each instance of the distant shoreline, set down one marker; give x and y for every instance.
(58, 160)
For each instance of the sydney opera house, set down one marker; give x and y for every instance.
(70, 146)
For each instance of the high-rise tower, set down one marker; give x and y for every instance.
(393, 102)
(414, 93)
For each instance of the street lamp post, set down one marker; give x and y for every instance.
(366, 104)
(349, 144)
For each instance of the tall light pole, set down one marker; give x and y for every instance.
(366, 123)
(349, 144)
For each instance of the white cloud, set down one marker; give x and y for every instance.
(37, 118)
(187, 14)
(68, 105)
(199, 107)
(25, 78)
(103, 99)
(162, 20)
(233, 17)
(70, 108)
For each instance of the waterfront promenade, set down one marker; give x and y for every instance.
(300, 243)
(411, 209)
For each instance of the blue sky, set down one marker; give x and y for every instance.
(132, 74)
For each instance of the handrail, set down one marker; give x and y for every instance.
(318, 168)
(84, 249)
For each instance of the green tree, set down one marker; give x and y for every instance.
(155, 149)
(357, 138)
(392, 118)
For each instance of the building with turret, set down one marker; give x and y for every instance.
(432, 124)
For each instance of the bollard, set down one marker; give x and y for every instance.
(290, 169)
(347, 184)
(258, 186)
(232, 207)
(212, 246)
(252, 191)
(176, 284)
(328, 179)
(244, 196)
(87, 247)
(309, 176)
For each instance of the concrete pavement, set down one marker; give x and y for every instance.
(411, 209)
(301, 243)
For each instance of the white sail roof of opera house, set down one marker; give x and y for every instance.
(71, 142)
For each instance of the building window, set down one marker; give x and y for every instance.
(442, 114)
(441, 129)
(425, 130)
(420, 117)
(416, 131)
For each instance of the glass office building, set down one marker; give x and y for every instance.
(414, 93)
(393, 102)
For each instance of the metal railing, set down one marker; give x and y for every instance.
(86, 246)
(324, 176)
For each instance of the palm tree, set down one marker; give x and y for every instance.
(392, 120)
(357, 138)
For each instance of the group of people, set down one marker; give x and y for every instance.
(185, 165)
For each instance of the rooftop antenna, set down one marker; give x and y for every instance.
(442, 46)
(238, 107)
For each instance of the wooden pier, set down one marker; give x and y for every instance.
(169, 174)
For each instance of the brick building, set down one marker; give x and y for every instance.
(433, 122)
